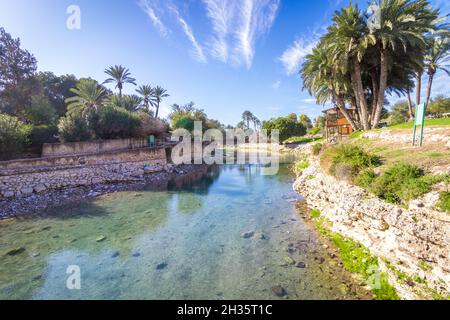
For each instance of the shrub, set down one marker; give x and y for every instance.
(444, 201)
(365, 178)
(401, 182)
(287, 128)
(317, 148)
(352, 160)
(114, 122)
(314, 131)
(13, 136)
(150, 125)
(41, 111)
(184, 122)
(43, 134)
(74, 128)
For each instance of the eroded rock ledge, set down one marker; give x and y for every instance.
(416, 241)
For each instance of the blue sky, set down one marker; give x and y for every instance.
(225, 55)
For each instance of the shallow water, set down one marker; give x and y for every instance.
(185, 242)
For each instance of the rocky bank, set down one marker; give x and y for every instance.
(414, 241)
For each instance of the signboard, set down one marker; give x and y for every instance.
(420, 121)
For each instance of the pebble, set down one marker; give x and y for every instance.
(15, 251)
(136, 254)
(100, 239)
(115, 254)
(279, 291)
(301, 265)
(248, 235)
(161, 266)
(289, 261)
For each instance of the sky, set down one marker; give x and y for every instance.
(227, 56)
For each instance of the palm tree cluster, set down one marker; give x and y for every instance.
(357, 63)
(90, 95)
(249, 118)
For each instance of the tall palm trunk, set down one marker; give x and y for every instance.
(418, 86)
(359, 94)
(410, 105)
(374, 95)
(430, 84)
(157, 110)
(382, 89)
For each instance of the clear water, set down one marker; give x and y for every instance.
(192, 229)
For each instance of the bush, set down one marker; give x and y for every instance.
(314, 131)
(114, 122)
(43, 134)
(365, 178)
(353, 159)
(150, 125)
(184, 122)
(401, 183)
(287, 128)
(13, 136)
(444, 201)
(41, 111)
(74, 128)
(317, 148)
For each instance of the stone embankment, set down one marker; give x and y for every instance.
(23, 178)
(415, 241)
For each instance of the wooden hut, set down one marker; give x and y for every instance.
(336, 124)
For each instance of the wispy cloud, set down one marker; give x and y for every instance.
(256, 18)
(235, 26)
(309, 100)
(197, 50)
(292, 57)
(150, 8)
(220, 13)
(276, 84)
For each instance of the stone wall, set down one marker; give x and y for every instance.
(410, 238)
(25, 177)
(78, 148)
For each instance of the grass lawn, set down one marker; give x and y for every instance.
(301, 140)
(432, 122)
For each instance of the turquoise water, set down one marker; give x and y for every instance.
(184, 241)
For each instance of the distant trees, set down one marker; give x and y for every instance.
(439, 105)
(13, 136)
(157, 97)
(400, 112)
(286, 126)
(306, 121)
(183, 117)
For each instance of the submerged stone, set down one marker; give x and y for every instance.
(15, 251)
(279, 291)
(161, 266)
(100, 239)
(289, 261)
(248, 235)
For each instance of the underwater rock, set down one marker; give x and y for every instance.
(279, 291)
(161, 266)
(248, 235)
(100, 239)
(15, 251)
(136, 254)
(289, 261)
(301, 265)
(115, 254)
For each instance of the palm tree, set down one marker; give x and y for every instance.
(438, 58)
(323, 79)
(120, 76)
(146, 94)
(347, 43)
(157, 96)
(247, 117)
(403, 26)
(89, 96)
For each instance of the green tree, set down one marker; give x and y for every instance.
(13, 136)
(158, 96)
(17, 68)
(306, 121)
(400, 112)
(41, 111)
(146, 93)
(120, 76)
(287, 128)
(89, 96)
(437, 58)
(439, 106)
(247, 117)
